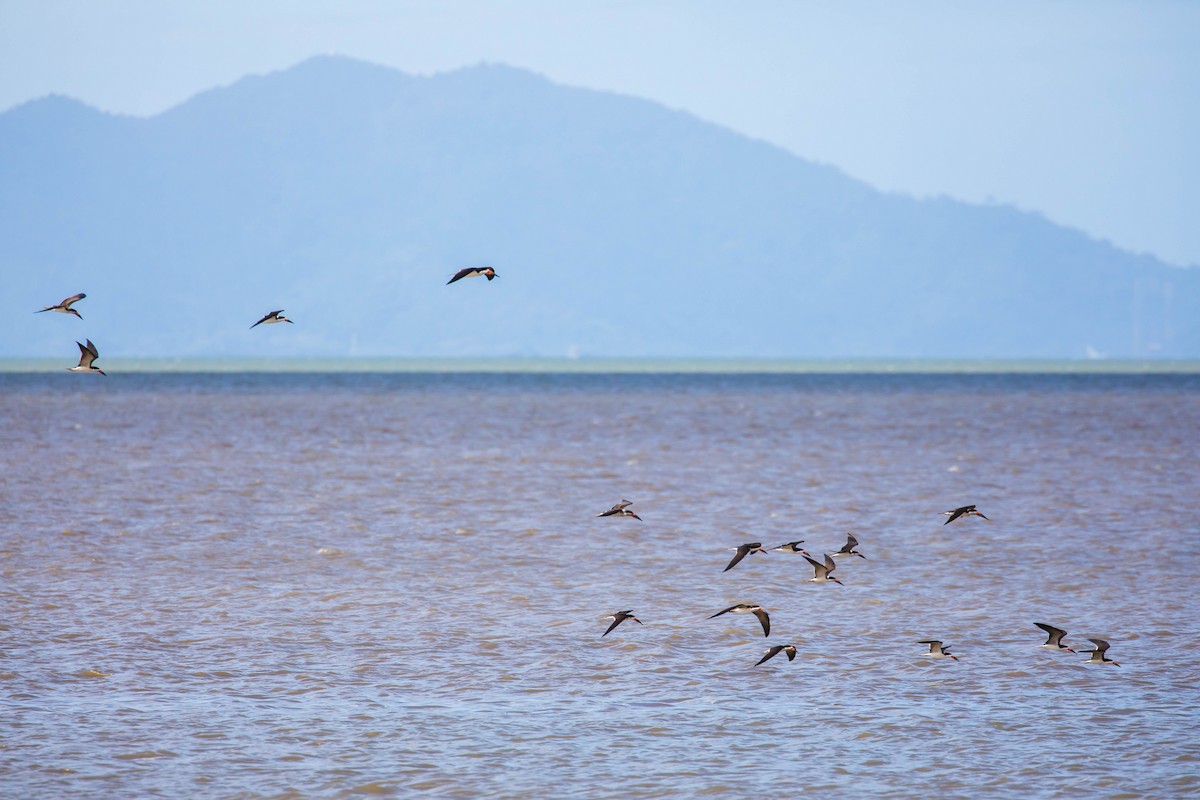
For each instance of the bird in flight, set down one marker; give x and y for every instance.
(747, 608)
(937, 649)
(621, 509)
(742, 550)
(473, 272)
(64, 307)
(87, 354)
(848, 547)
(618, 618)
(271, 318)
(790, 649)
(821, 571)
(1055, 637)
(1098, 655)
(964, 511)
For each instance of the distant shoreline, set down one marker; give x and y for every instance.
(622, 365)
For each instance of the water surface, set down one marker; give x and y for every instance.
(343, 585)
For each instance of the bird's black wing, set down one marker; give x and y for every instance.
(772, 652)
(738, 556)
(617, 620)
(1056, 634)
(956, 513)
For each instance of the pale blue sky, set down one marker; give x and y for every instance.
(1086, 111)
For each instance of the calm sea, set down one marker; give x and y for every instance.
(328, 585)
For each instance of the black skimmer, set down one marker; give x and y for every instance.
(821, 571)
(747, 608)
(65, 306)
(790, 649)
(269, 319)
(618, 618)
(937, 649)
(472, 272)
(848, 547)
(1098, 655)
(965, 511)
(1055, 637)
(621, 509)
(742, 550)
(791, 547)
(87, 354)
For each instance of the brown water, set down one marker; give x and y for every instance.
(332, 585)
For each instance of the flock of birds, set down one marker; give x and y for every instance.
(822, 573)
(88, 352)
(822, 570)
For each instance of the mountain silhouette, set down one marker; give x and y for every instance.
(348, 193)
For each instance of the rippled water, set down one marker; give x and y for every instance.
(328, 585)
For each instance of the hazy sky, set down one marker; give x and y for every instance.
(1085, 110)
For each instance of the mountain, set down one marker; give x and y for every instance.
(348, 193)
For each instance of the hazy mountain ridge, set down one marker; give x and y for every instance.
(347, 193)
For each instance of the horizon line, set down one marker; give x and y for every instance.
(645, 365)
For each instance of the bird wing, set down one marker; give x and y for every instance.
(818, 567)
(618, 618)
(87, 353)
(1056, 634)
(462, 273)
(956, 513)
(829, 565)
(765, 619)
(726, 611)
(771, 653)
(66, 303)
(1101, 645)
(738, 556)
(851, 543)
